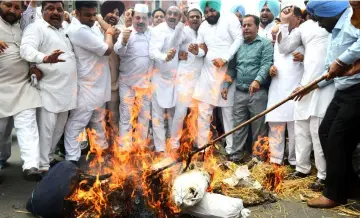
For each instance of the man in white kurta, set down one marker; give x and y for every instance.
(58, 87)
(188, 73)
(19, 99)
(223, 37)
(287, 73)
(269, 10)
(312, 108)
(134, 76)
(94, 90)
(163, 49)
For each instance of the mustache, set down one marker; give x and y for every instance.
(140, 24)
(171, 19)
(55, 17)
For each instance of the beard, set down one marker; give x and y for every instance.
(11, 18)
(213, 19)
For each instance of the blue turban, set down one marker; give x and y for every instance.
(240, 9)
(273, 5)
(326, 8)
(215, 4)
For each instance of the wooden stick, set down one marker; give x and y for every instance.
(191, 154)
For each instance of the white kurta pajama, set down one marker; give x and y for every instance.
(267, 31)
(312, 108)
(163, 81)
(187, 75)
(58, 87)
(134, 84)
(287, 79)
(223, 41)
(94, 87)
(18, 100)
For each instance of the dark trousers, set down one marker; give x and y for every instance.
(339, 135)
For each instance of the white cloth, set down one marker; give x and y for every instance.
(94, 87)
(204, 119)
(188, 71)
(79, 119)
(51, 128)
(287, 79)
(187, 75)
(223, 41)
(58, 87)
(131, 97)
(6, 126)
(277, 138)
(315, 40)
(27, 135)
(158, 118)
(16, 92)
(307, 138)
(135, 64)
(164, 38)
(267, 31)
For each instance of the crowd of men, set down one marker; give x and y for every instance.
(61, 73)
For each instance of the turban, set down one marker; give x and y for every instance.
(109, 6)
(238, 8)
(215, 4)
(273, 5)
(326, 8)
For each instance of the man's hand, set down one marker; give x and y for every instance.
(224, 93)
(286, 14)
(3, 46)
(111, 31)
(204, 47)
(218, 62)
(336, 69)
(193, 48)
(67, 16)
(353, 69)
(183, 55)
(170, 54)
(126, 35)
(116, 35)
(300, 95)
(36, 71)
(254, 87)
(297, 56)
(273, 71)
(53, 58)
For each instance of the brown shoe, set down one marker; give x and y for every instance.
(322, 202)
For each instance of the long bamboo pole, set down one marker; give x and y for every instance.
(292, 96)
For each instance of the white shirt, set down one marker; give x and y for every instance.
(16, 92)
(223, 41)
(188, 70)
(315, 40)
(135, 64)
(58, 87)
(94, 88)
(287, 79)
(267, 31)
(164, 38)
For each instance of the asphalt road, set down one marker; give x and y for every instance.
(14, 192)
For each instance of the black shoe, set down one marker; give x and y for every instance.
(32, 174)
(297, 175)
(3, 164)
(292, 166)
(53, 162)
(318, 185)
